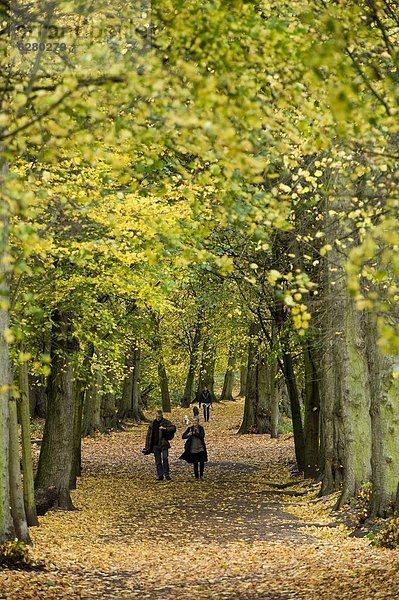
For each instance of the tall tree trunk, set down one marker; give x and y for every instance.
(293, 394)
(345, 399)
(263, 405)
(272, 390)
(108, 410)
(354, 395)
(80, 392)
(279, 315)
(330, 461)
(6, 524)
(92, 405)
(228, 383)
(38, 383)
(76, 468)
(27, 466)
(207, 370)
(163, 384)
(282, 394)
(257, 414)
(162, 374)
(312, 412)
(251, 380)
(16, 487)
(37, 396)
(55, 461)
(188, 390)
(127, 390)
(384, 411)
(135, 410)
(243, 380)
(274, 399)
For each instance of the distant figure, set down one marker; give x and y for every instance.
(186, 420)
(195, 412)
(157, 441)
(195, 448)
(206, 400)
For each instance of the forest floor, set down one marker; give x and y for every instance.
(232, 535)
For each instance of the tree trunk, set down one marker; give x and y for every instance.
(92, 406)
(188, 390)
(257, 414)
(37, 396)
(108, 411)
(228, 383)
(163, 384)
(125, 403)
(354, 395)
(162, 374)
(243, 381)
(263, 405)
(279, 315)
(345, 399)
(55, 461)
(6, 525)
(251, 380)
(207, 370)
(330, 461)
(293, 394)
(384, 411)
(38, 383)
(274, 399)
(282, 394)
(27, 466)
(16, 487)
(76, 468)
(80, 392)
(135, 410)
(312, 412)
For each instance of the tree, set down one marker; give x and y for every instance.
(257, 410)
(56, 455)
(27, 466)
(12, 518)
(194, 345)
(228, 383)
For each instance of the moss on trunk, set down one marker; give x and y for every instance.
(55, 461)
(384, 387)
(27, 467)
(6, 525)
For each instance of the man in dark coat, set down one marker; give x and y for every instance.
(158, 435)
(206, 400)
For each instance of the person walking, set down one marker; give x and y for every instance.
(205, 400)
(195, 448)
(159, 434)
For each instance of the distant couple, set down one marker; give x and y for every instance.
(159, 434)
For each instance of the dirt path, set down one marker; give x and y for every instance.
(229, 536)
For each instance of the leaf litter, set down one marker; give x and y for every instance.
(230, 535)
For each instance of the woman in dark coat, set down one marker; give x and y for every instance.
(195, 448)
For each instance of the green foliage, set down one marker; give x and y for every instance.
(285, 425)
